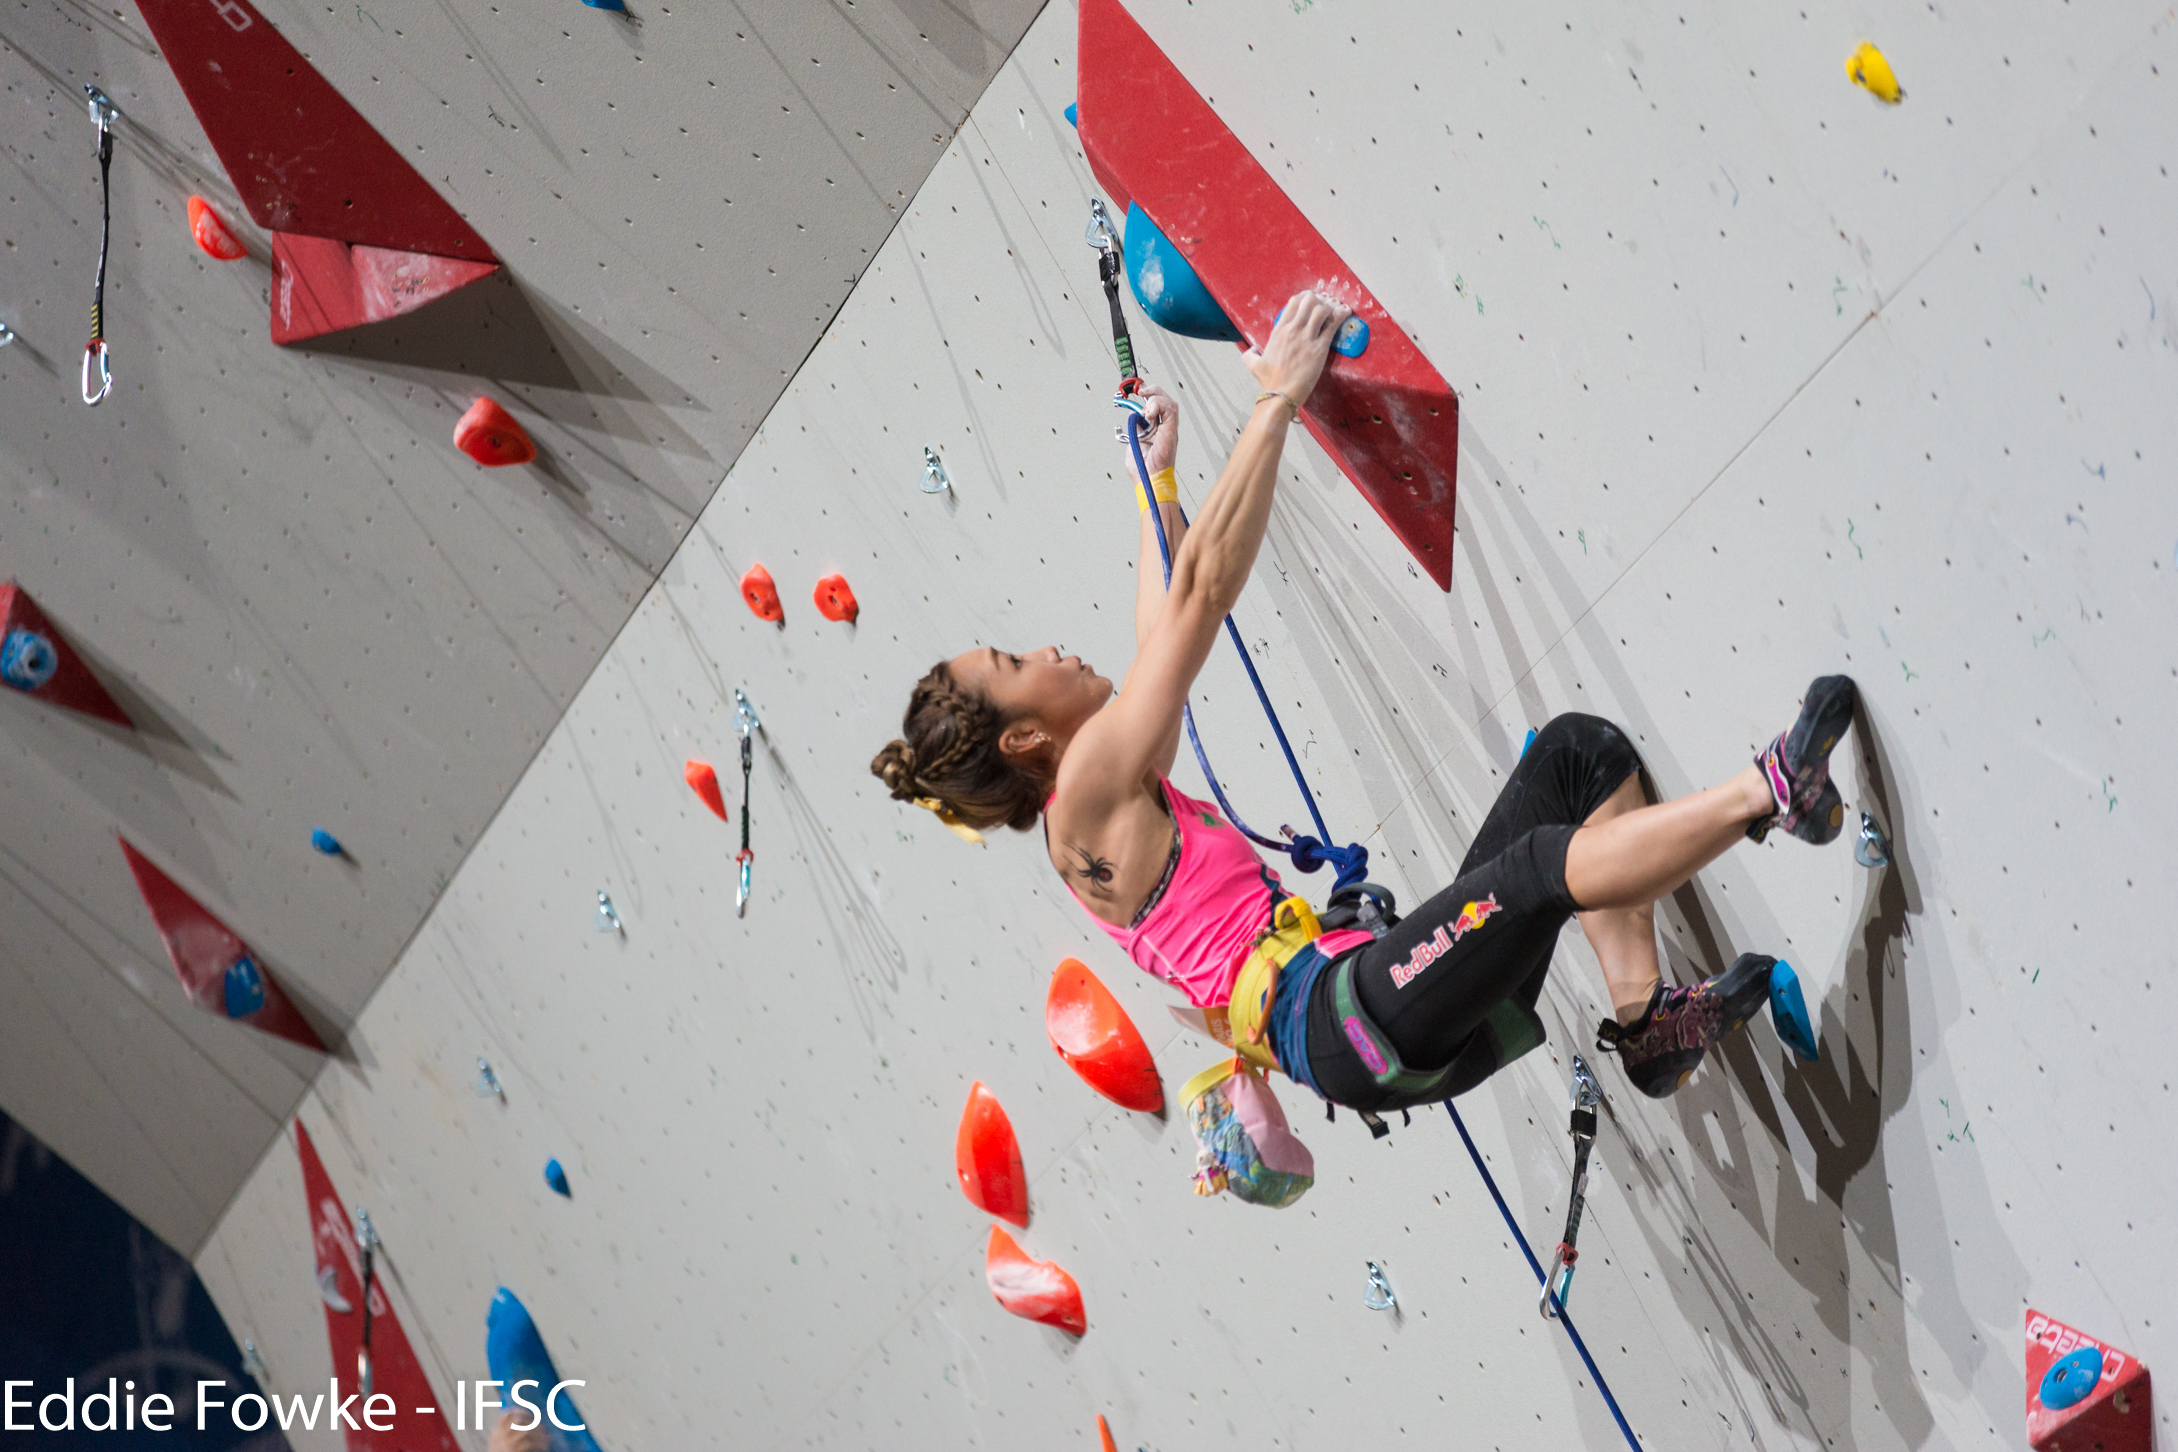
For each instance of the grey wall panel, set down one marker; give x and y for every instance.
(1918, 467)
(322, 614)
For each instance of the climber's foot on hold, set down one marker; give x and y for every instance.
(1661, 1049)
(1797, 766)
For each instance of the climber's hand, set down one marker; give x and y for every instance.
(1160, 429)
(505, 1439)
(1300, 343)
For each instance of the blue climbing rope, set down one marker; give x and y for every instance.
(1308, 853)
(1564, 1318)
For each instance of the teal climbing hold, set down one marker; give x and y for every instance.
(1788, 1011)
(1073, 115)
(516, 1354)
(557, 1179)
(604, 4)
(325, 842)
(2070, 1378)
(1532, 733)
(1166, 286)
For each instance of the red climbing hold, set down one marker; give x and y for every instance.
(763, 595)
(2114, 1412)
(36, 659)
(1036, 1290)
(212, 234)
(395, 1372)
(987, 1158)
(1104, 1434)
(835, 601)
(1388, 417)
(1094, 1035)
(217, 969)
(357, 234)
(488, 434)
(703, 780)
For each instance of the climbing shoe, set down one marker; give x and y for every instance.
(1797, 766)
(1661, 1049)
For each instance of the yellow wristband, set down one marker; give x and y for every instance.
(1164, 484)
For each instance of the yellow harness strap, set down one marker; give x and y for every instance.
(1293, 927)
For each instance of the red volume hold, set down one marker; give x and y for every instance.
(1387, 417)
(835, 601)
(217, 969)
(488, 434)
(394, 1370)
(212, 234)
(1097, 1039)
(2083, 1393)
(37, 660)
(762, 594)
(703, 780)
(987, 1158)
(1036, 1290)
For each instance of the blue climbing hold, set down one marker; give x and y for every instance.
(1532, 734)
(516, 1353)
(1353, 338)
(245, 988)
(325, 841)
(27, 660)
(2070, 1378)
(1166, 286)
(557, 1179)
(604, 4)
(1788, 1011)
(1073, 116)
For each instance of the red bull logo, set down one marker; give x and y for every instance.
(1472, 916)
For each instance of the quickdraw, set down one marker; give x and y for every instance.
(366, 1244)
(1558, 1285)
(95, 354)
(746, 717)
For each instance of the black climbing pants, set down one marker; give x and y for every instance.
(1431, 981)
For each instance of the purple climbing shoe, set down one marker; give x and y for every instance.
(1661, 1049)
(1797, 766)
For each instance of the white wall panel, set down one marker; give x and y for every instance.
(1916, 467)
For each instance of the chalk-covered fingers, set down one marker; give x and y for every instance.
(1300, 343)
(1160, 428)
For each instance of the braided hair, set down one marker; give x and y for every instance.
(951, 754)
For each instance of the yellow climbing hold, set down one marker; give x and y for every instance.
(1871, 71)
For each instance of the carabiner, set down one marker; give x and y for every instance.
(747, 860)
(1559, 1283)
(96, 350)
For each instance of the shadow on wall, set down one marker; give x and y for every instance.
(87, 1292)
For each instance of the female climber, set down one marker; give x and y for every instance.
(994, 739)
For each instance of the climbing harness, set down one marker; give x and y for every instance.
(366, 1244)
(103, 114)
(1308, 853)
(1562, 1318)
(746, 716)
(1558, 1285)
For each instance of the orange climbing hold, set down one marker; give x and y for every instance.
(1104, 1434)
(1036, 1290)
(210, 229)
(835, 601)
(987, 1158)
(762, 594)
(1094, 1035)
(703, 780)
(488, 434)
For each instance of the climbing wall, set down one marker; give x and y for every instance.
(1759, 379)
(317, 612)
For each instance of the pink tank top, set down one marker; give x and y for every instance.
(1214, 908)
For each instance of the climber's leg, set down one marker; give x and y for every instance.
(1624, 938)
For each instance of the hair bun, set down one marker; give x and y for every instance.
(895, 767)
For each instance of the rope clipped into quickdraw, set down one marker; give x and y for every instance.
(1308, 853)
(366, 1244)
(1558, 1285)
(103, 114)
(749, 727)
(1520, 1240)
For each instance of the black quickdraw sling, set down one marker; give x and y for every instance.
(1558, 1285)
(745, 716)
(103, 114)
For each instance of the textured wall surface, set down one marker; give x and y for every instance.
(322, 614)
(1759, 379)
